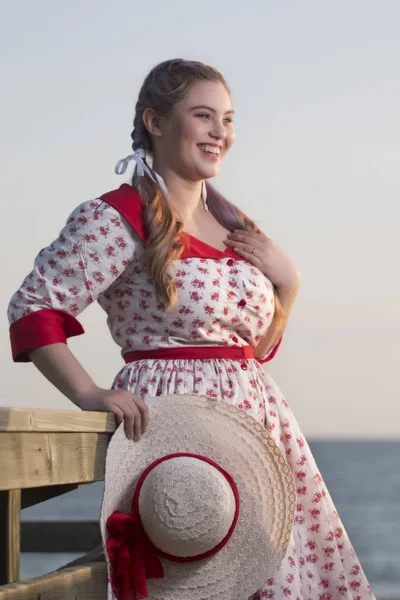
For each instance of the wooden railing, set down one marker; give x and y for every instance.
(45, 453)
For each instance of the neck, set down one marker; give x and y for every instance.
(183, 195)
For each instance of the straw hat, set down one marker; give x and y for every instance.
(200, 508)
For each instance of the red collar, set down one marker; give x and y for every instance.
(130, 205)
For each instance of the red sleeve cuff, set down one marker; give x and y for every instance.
(272, 353)
(41, 328)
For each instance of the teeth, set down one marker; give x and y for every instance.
(212, 149)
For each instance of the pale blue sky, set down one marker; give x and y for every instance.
(317, 163)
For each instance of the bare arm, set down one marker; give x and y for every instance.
(57, 363)
(67, 276)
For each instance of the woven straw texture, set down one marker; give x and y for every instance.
(243, 447)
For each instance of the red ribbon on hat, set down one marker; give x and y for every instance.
(131, 555)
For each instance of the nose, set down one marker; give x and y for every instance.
(218, 132)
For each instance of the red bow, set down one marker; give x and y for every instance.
(131, 556)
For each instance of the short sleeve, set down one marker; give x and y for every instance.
(271, 353)
(91, 252)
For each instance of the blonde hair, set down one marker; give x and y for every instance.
(165, 85)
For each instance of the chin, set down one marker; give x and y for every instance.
(209, 173)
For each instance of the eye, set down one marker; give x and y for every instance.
(207, 116)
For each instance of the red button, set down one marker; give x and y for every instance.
(230, 262)
(243, 366)
(234, 339)
(242, 303)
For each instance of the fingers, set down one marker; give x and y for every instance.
(246, 241)
(119, 416)
(251, 236)
(133, 412)
(144, 411)
(131, 419)
(247, 253)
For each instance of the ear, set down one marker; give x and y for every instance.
(152, 122)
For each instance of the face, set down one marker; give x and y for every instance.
(196, 137)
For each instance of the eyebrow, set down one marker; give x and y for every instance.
(211, 109)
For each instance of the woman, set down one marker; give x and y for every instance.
(197, 298)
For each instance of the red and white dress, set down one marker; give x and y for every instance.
(224, 302)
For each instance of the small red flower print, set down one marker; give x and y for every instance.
(312, 558)
(98, 277)
(60, 297)
(354, 585)
(195, 296)
(338, 532)
(198, 283)
(121, 242)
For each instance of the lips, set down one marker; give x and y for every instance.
(210, 151)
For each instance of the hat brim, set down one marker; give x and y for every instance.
(243, 447)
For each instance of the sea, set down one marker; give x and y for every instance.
(365, 489)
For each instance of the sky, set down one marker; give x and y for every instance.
(316, 90)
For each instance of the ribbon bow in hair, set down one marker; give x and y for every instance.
(131, 556)
(142, 168)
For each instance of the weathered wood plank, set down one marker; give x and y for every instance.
(32, 496)
(59, 536)
(10, 535)
(95, 555)
(41, 459)
(85, 582)
(48, 420)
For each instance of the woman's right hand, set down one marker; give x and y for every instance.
(126, 407)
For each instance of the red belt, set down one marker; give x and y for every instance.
(192, 353)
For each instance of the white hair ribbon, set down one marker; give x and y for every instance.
(141, 167)
(204, 194)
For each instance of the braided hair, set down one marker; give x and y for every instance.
(165, 85)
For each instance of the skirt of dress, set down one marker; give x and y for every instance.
(320, 563)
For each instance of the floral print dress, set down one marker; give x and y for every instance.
(223, 301)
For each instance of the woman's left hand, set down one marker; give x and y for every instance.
(265, 254)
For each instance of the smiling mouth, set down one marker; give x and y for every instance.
(213, 152)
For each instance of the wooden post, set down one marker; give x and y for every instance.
(10, 535)
(45, 453)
